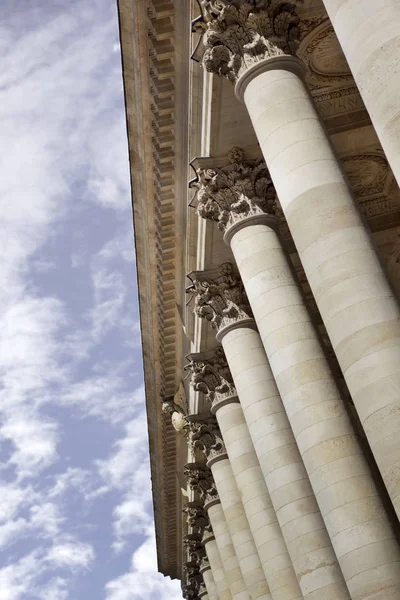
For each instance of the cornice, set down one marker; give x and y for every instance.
(154, 64)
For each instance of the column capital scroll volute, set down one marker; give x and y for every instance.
(236, 34)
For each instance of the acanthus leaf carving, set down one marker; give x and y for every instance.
(196, 518)
(206, 437)
(195, 551)
(236, 34)
(231, 193)
(220, 299)
(211, 375)
(200, 480)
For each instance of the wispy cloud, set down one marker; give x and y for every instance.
(74, 475)
(143, 581)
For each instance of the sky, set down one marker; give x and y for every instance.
(75, 509)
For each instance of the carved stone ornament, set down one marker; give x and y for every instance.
(238, 190)
(178, 418)
(196, 518)
(220, 298)
(211, 375)
(192, 570)
(206, 437)
(195, 551)
(236, 34)
(200, 479)
(191, 590)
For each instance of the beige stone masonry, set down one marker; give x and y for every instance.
(218, 573)
(239, 530)
(348, 499)
(272, 551)
(208, 577)
(369, 33)
(233, 574)
(222, 299)
(293, 499)
(358, 307)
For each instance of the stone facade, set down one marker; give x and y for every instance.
(267, 228)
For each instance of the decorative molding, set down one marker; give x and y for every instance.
(220, 297)
(237, 34)
(231, 193)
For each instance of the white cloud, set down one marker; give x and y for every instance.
(143, 580)
(74, 555)
(55, 589)
(63, 156)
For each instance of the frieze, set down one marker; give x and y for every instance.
(372, 183)
(321, 53)
(219, 297)
(236, 34)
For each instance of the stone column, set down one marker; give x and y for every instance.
(218, 574)
(369, 34)
(201, 480)
(296, 509)
(206, 436)
(210, 373)
(347, 497)
(210, 591)
(203, 592)
(356, 302)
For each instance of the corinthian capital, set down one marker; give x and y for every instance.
(200, 479)
(236, 34)
(196, 518)
(237, 190)
(206, 437)
(210, 374)
(219, 296)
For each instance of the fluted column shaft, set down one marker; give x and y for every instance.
(209, 581)
(256, 502)
(348, 499)
(369, 34)
(355, 300)
(217, 568)
(233, 573)
(239, 530)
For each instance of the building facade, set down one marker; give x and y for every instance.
(264, 141)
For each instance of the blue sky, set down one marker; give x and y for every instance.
(75, 510)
